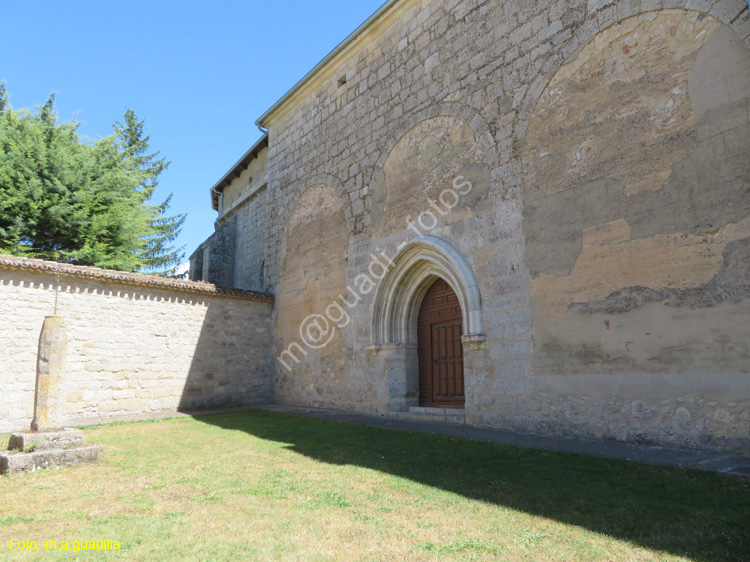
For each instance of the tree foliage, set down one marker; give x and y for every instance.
(86, 203)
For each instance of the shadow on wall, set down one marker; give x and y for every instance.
(662, 509)
(232, 365)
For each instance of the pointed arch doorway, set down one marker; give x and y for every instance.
(440, 349)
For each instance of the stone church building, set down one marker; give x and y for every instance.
(525, 214)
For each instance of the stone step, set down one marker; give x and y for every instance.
(31, 441)
(442, 415)
(13, 463)
(437, 411)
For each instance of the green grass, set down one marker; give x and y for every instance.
(265, 486)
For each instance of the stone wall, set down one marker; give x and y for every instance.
(229, 257)
(138, 347)
(248, 181)
(637, 223)
(608, 145)
(314, 275)
(252, 216)
(214, 261)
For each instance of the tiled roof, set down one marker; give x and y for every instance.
(136, 279)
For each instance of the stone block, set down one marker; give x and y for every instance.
(63, 439)
(13, 463)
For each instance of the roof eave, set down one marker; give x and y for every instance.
(232, 173)
(340, 47)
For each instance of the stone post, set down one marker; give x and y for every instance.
(53, 349)
(48, 445)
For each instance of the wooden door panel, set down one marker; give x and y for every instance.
(447, 367)
(441, 364)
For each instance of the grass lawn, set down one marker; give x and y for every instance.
(266, 486)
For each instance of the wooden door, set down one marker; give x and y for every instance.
(441, 354)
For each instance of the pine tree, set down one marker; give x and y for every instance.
(3, 96)
(40, 180)
(157, 255)
(65, 199)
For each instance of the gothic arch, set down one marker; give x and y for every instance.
(400, 293)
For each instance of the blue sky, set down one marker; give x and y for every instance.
(199, 73)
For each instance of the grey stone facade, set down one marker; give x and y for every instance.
(214, 261)
(252, 218)
(607, 145)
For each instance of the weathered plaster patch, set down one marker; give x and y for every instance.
(731, 284)
(721, 74)
(679, 171)
(650, 339)
(637, 204)
(622, 109)
(667, 264)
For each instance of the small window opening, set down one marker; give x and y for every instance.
(342, 80)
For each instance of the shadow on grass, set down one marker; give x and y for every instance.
(684, 512)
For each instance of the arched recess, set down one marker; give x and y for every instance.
(636, 174)
(312, 276)
(459, 111)
(287, 214)
(602, 17)
(413, 270)
(433, 155)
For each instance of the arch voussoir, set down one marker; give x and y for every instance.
(400, 294)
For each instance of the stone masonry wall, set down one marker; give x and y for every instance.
(231, 257)
(234, 257)
(250, 255)
(134, 351)
(214, 260)
(637, 223)
(253, 177)
(445, 88)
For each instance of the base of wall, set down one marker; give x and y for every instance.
(162, 415)
(730, 465)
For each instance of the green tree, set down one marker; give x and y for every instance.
(157, 253)
(86, 203)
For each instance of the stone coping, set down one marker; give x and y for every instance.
(134, 279)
